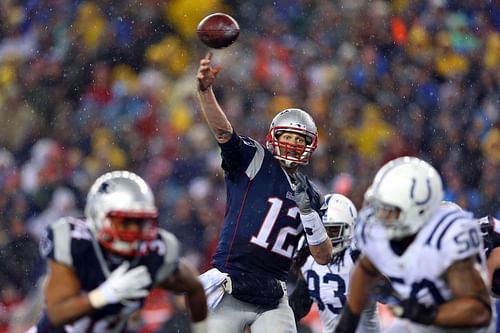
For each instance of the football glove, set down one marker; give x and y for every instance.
(121, 285)
(301, 197)
(413, 310)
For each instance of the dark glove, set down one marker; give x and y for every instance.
(415, 311)
(301, 195)
(348, 321)
(486, 225)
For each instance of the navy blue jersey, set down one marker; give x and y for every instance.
(262, 224)
(70, 242)
(490, 230)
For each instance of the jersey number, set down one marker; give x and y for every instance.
(262, 238)
(467, 239)
(314, 290)
(416, 287)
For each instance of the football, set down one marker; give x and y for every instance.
(218, 30)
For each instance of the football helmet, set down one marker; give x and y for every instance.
(295, 121)
(339, 220)
(403, 195)
(114, 200)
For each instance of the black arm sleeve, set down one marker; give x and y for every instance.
(495, 283)
(299, 300)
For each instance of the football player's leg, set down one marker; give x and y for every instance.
(278, 320)
(399, 325)
(231, 316)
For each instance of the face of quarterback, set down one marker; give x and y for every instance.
(291, 144)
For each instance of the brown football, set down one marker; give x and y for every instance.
(218, 30)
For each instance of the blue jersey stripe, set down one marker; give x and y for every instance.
(440, 238)
(363, 234)
(434, 231)
(394, 279)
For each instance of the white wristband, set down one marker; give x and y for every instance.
(200, 327)
(314, 228)
(97, 298)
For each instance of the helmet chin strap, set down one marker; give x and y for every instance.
(288, 164)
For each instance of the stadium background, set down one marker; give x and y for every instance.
(91, 86)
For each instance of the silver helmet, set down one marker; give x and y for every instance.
(339, 221)
(295, 121)
(115, 199)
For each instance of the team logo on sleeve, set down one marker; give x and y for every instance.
(248, 142)
(45, 245)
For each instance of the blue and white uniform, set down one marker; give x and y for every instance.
(328, 286)
(70, 242)
(450, 235)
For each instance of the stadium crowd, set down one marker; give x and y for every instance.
(92, 86)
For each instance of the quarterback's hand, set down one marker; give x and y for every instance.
(415, 311)
(206, 73)
(121, 285)
(301, 197)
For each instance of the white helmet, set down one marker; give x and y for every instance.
(339, 221)
(404, 193)
(296, 121)
(115, 197)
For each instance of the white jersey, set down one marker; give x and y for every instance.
(328, 287)
(449, 236)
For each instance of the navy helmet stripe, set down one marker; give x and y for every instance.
(383, 176)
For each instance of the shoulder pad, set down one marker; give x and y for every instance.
(171, 257)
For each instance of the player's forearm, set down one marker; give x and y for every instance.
(322, 253)
(197, 304)
(493, 264)
(463, 312)
(214, 115)
(364, 277)
(68, 311)
(299, 300)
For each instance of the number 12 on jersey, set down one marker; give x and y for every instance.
(262, 237)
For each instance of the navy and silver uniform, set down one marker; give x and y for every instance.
(490, 230)
(69, 241)
(262, 224)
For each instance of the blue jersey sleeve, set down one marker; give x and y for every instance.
(237, 153)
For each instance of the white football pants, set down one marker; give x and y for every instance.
(232, 316)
